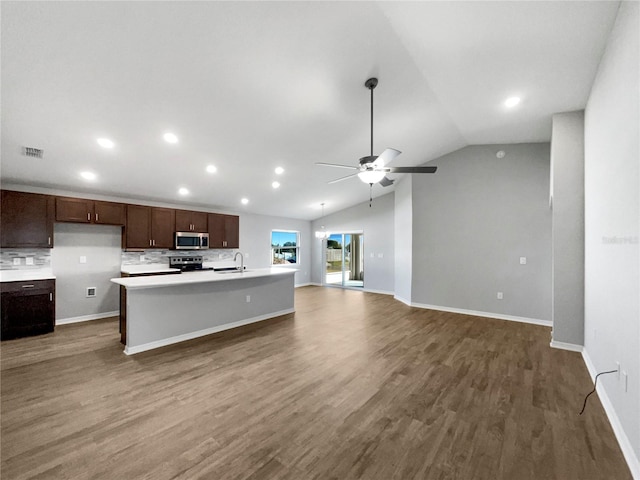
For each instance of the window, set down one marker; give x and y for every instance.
(284, 247)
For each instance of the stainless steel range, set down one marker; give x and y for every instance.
(192, 263)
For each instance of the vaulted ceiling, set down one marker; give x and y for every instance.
(249, 86)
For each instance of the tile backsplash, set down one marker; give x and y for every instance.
(162, 256)
(41, 258)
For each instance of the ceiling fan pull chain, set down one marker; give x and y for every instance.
(370, 194)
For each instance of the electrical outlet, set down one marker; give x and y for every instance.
(248, 298)
(523, 260)
(16, 261)
(29, 261)
(380, 255)
(499, 296)
(142, 258)
(83, 259)
(246, 255)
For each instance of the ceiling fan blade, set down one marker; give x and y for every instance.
(322, 164)
(386, 181)
(409, 169)
(342, 178)
(386, 156)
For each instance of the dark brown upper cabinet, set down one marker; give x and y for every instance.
(81, 210)
(224, 231)
(26, 220)
(149, 227)
(188, 221)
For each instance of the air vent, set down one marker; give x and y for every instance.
(91, 292)
(32, 152)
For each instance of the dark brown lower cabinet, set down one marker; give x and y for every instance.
(28, 308)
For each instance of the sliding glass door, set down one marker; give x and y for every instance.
(344, 257)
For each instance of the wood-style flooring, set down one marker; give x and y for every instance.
(352, 386)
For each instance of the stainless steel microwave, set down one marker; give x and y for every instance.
(191, 241)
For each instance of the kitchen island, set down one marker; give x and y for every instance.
(166, 309)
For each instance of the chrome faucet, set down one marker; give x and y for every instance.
(235, 257)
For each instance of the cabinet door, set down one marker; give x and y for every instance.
(216, 230)
(163, 226)
(77, 210)
(183, 221)
(27, 309)
(232, 231)
(26, 220)
(199, 221)
(138, 227)
(109, 213)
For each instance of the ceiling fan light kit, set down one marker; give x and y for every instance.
(372, 168)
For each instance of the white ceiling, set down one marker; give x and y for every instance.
(248, 86)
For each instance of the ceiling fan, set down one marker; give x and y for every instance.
(372, 168)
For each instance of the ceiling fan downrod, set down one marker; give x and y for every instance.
(371, 84)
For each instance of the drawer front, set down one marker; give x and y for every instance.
(27, 286)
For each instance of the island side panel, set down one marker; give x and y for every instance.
(164, 315)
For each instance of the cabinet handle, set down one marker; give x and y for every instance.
(49, 241)
(50, 297)
(154, 243)
(149, 242)
(96, 217)
(28, 286)
(89, 217)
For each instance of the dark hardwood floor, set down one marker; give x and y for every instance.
(353, 385)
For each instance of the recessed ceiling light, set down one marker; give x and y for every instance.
(105, 143)
(88, 175)
(511, 102)
(170, 138)
(279, 170)
(211, 169)
(275, 184)
(183, 191)
(244, 201)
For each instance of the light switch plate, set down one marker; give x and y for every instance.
(83, 259)
(16, 261)
(499, 296)
(523, 260)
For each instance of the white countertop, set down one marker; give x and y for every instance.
(142, 269)
(26, 275)
(198, 277)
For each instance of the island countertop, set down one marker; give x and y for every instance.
(185, 278)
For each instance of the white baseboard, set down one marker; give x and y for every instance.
(298, 285)
(201, 333)
(572, 347)
(621, 436)
(380, 292)
(403, 300)
(499, 316)
(87, 318)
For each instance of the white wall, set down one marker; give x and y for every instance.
(612, 216)
(255, 242)
(473, 220)
(377, 224)
(403, 229)
(567, 172)
(101, 245)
